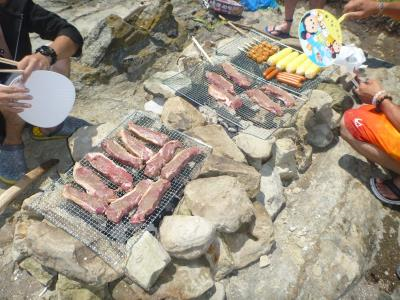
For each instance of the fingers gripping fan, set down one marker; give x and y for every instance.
(320, 36)
(53, 98)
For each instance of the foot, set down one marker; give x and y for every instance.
(279, 30)
(12, 163)
(386, 191)
(62, 131)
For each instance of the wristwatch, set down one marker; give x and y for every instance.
(49, 52)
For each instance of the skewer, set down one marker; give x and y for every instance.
(202, 50)
(232, 25)
(8, 61)
(11, 71)
(257, 40)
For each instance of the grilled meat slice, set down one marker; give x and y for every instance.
(149, 135)
(179, 162)
(159, 160)
(237, 77)
(118, 152)
(221, 82)
(91, 204)
(136, 147)
(279, 93)
(221, 95)
(264, 101)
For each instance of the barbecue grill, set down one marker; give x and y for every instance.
(193, 85)
(104, 237)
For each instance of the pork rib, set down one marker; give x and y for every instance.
(279, 93)
(109, 169)
(135, 146)
(150, 200)
(89, 203)
(92, 183)
(118, 152)
(161, 158)
(264, 101)
(154, 137)
(237, 77)
(179, 162)
(121, 207)
(221, 95)
(221, 82)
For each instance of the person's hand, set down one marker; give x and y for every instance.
(360, 9)
(9, 97)
(32, 63)
(367, 90)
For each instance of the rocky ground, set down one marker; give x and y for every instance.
(305, 224)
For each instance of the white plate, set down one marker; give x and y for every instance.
(53, 98)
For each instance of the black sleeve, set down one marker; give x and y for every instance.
(50, 26)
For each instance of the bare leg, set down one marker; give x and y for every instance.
(14, 127)
(290, 7)
(374, 154)
(317, 4)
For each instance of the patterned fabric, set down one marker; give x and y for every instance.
(12, 163)
(228, 7)
(4, 50)
(369, 126)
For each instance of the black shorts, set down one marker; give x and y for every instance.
(2, 121)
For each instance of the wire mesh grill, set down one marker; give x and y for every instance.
(104, 237)
(193, 85)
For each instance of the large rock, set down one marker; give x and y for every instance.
(247, 175)
(186, 237)
(215, 136)
(257, 150)
(146, 261)
(211, 198)
(284, 159)
(155, 86)
(180, 280)
(41, 274)
(220, 259)
(68, 289)
(86, 139)
(330, 226)
(316, 119)
(57, 250)
(181, 115)
(271, 191)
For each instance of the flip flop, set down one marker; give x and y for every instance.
(12, 163)
(62, 131)
(280, 35)
(389, 183)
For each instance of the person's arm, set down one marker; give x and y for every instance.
(9, 97)
(392, 112)
(360, 9)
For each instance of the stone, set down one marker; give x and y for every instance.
(304, 157)
(155, 86)
(87, 139)
(248, 176)
(210, 116)
(320, 136)
(41, 274)
(257, 150)
(55, 249)
(215, 293)
(216, 137)
(180, 280)
(147, 260)
(211, 198)
(247, 247)
(155, 106)
(284, 159)
(186, 237)
(264, 261)
(271, 191)
(26, 208)
(220, 259)
(181, 115)
(68, 289)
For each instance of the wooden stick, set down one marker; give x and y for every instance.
(8, 61)
(11, 193)
(202, 50)
(232, 25)
(11, 71)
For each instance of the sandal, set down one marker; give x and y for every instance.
(12, 163)
(281, 34)
(389, 183)
(62, 131)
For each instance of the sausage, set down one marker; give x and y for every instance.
(290, 82)
(292, 76)
(272, 74)
(269, 70)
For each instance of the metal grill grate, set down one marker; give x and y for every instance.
(193, 85)
(104, 237)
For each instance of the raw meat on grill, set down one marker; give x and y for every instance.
(150, 200)
(221, 95)
(239, 78)
(154, 137)
(159, 160)
(221, 82)
(89, 203)
(109, 169)
(264, 101)
(136, 147)
(121, 207)
(119, 153)
(279, 93)
(92, 183)
(179, 162)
